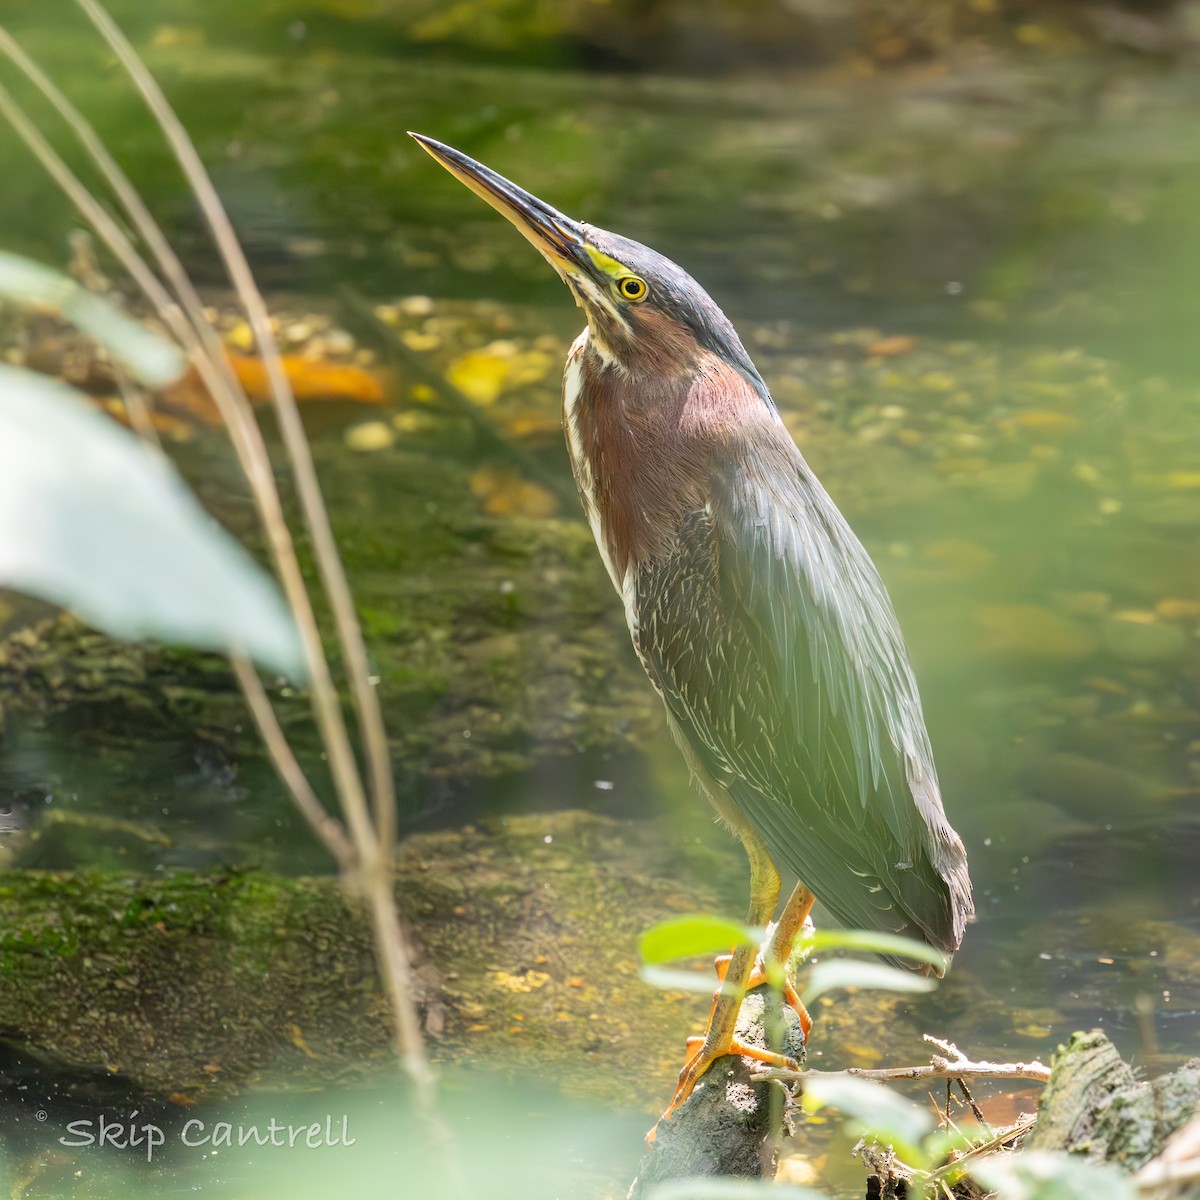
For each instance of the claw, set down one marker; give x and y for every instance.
(739, 973)
(790, 996)
(704, 1056)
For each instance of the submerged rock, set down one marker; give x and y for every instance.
(1144, 642)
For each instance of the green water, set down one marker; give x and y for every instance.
(1026, 472)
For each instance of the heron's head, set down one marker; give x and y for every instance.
(646, 315)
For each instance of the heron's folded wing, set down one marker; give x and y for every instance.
(774, 644)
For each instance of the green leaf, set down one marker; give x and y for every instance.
(851, 972)
(95, 521)
(1051, 1175)
(674, 979)
(873, 1109)
(151, 359)
(875, 943)
(711, 1188)
(686, 937)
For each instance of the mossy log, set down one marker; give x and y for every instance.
(1093, 1106)
(730, 1125)
(1096, 1105)
(205, 985)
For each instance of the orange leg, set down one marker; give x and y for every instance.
(778, 950)
(744, 969)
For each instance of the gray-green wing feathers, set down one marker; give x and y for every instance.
(773, 642)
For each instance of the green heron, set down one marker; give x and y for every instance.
(755, 611)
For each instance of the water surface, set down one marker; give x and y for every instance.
(970, 289)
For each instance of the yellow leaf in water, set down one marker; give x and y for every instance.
(938, 381)
(1047, 421)
(1030, 633)
(420, 342)
(506, 494)
(297, 1039)
(178, 35)
(533, 500)
(531, 367)
(891, 347)
(369, 437)
(311, 379)
(1178, 610)
(1136, 616)
(535, 425)
(863, 1054)
(528, 981)
(480, 375)
(414, 422)
(241, 336)
(1034, 1031)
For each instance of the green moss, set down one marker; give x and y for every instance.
(525, 932)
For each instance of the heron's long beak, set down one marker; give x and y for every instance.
(556, 236)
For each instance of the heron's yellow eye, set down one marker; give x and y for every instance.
(632, 288)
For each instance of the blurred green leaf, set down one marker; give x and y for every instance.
(94, 520)
(675, 979)
(686, 937)
(875, 943)
(151, 359)
(850, 972)
(872, 1109)
(1051, 1175)
(709, 1188)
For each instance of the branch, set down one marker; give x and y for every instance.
(952, 1065)
(1178, 1162)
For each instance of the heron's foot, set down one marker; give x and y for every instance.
(758, 976)
(790, 996)
(738, 974)
(702, 1055)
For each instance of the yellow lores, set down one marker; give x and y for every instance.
(630, 287)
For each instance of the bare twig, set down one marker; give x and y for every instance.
(981, 1149)
(953, 1064)
(939, 1068)
(1167, 1174)
(976, 1111)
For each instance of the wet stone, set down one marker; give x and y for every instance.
(1027, 631)
(1144, 642)
(1175, 510)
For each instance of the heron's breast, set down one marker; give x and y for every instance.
(638, 468)
(575, 423)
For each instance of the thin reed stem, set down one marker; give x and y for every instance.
(316, 516)
(231, 402)
(326, 828)
(197, 335)
(364, 857)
